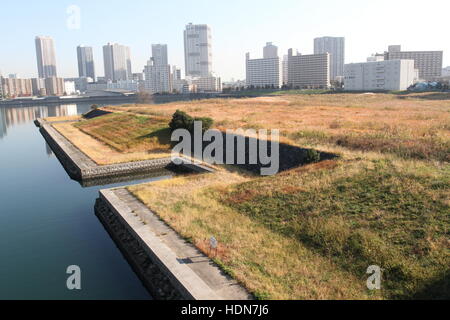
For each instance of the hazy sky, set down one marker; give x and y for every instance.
(238, 26)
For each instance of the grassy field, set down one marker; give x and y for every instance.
(412, 126)
(312, 232)
(129, 133)
(119, 137)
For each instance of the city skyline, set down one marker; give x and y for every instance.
(230, 42)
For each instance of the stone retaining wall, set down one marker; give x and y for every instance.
(81, 167)
(168, 266)
(148, 272)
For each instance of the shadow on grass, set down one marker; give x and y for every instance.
(163, 136)
(289, 156)
(428, 96)
(438, 289)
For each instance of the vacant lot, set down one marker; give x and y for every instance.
(413, 126)
(312, 232)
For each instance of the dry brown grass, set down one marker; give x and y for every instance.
(63, 118)
(268, 264)
(310, 232)
(409, 126)
(130, 133)
(100, 152)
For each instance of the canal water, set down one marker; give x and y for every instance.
(47, 220)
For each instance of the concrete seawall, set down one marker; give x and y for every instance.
(169, 267)
(80, 167)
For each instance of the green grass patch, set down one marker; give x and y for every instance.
(380, 215)
(127, 133)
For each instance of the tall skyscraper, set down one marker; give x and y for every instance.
(197, 50)
(117, 62)
(46, 57)
(159, 54)
(270, 51)
(85, 62)
(335, 46)
(157, 71)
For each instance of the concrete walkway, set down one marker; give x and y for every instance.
(189, 269)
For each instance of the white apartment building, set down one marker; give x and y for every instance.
(265, 72)
(389, 75)
(308, 71)
(429, 63)
(46, 57)
(69, 88)
(157, 78)
(128, 85)
(81, 83)
(198, 50)
(207, 84)
(117, 62)
(158, 73)
(335, 46)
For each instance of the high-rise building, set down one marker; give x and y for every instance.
(270, 51)
(117, 62)
(285, 69)
(265, 72)
(46, 57)
(335, 46)
(159, 54)
(86, 68)
(157, 71)
(197, 50)
(157, 78)
(429, 63)
(380, 75)
(308, 71)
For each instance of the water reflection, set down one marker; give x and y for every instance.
(47, 220)
(10, 116)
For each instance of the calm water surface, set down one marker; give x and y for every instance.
(47, 220)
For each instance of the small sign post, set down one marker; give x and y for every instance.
(213, 244)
